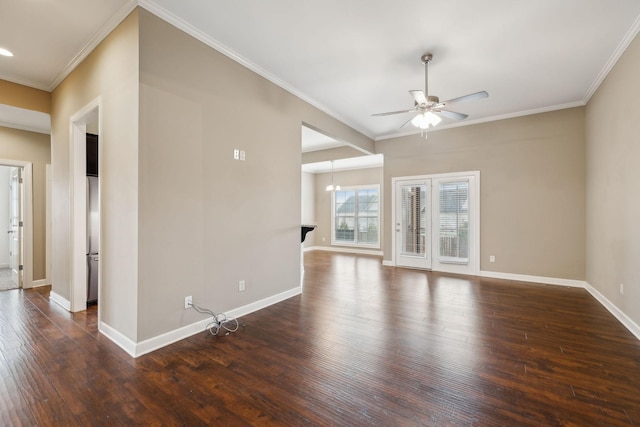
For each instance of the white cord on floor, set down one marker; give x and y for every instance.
(219, 321)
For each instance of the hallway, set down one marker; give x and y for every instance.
(5, 280)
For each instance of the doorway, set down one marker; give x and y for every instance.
(86, 121)
(437, 222)
(11, 216)
(16, 250)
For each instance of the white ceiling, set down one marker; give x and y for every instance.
(361, 162)
(359, 57)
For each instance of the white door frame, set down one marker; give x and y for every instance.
(27, 209)
(474, 232)
(412, 261)
(78, 205)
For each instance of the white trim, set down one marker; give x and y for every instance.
(343, 249)
(97, 38)
(474, 197)
(41, 282)
(27, 218)
(264, 303)
(194, 32)
(472, 266)
(533, 279)
(24, 127)
(78, 204)
(5, 265)
(615, 56)
(61, 301)
(48, 224)
(626, 321)
(162, 340)
(486, 119)
(25, 82)
(119, 339)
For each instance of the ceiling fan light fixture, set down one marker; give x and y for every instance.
(425, 120)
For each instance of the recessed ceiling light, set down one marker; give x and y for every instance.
(5, 52)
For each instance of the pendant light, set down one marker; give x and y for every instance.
(332, 187)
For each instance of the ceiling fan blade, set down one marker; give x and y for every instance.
(390, 113)
(451, 114)
(477, 95)
(407, 122)
(418, 96)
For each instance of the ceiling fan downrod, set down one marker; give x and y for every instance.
(426, 58)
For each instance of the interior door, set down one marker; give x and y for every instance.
(15, 225)
(413, 223)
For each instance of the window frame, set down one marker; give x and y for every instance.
(355, 243)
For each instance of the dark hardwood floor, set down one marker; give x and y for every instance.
(363, 345)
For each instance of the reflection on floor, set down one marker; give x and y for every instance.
(5, 280)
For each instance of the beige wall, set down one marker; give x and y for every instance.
(368, 176)
(25, 97)
(110, 72)
(206, 220)
(613, 180)
(532, 177)
(35, 148)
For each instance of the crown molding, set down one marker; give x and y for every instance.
(24, 82)
(179, 23)
(102, 33)
(487, 119)
(613, 59)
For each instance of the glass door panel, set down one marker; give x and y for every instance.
(413, 230)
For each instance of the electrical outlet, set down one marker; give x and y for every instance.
(492, 258)
(241, 286)
(188, 301)
(621, 288)
(243, 155)
(236, 154)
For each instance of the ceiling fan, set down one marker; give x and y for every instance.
(430, 109)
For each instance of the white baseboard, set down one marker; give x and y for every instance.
(626, 321)
(264, 303)
(534, 279)
(119, 339)
(344, 250)
(388, 263)
(151, 344)
(618, 314)
(39, 283)
(61, 301)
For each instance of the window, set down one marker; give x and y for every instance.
(454, 221)
(356, 216)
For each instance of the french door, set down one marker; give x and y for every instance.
(436, 219)
(413, 223)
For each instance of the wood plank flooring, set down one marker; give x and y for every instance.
(363, 345)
